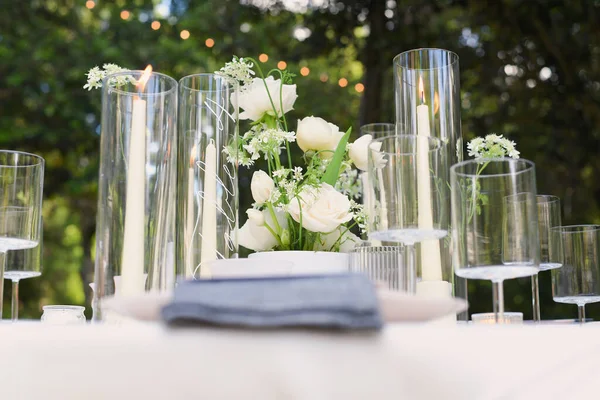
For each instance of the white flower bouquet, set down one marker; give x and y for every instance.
(309, 207)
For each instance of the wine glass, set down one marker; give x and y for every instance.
(22, 264)
(21, 186)
(578, 280)
(494, 222)
(551, 251)
(409, 194)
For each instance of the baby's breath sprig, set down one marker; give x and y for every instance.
(492, 146)
(238, 70)
(96, 75)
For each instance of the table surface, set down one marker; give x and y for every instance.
(404, 361)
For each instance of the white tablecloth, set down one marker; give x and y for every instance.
(426, 361)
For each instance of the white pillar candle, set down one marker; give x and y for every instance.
(431, 263)
(209, 208)
(132, 262)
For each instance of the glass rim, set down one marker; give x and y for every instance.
(573, 229)
(40, 159)
(140, 72)
(530, 167)
(61, 307)
(454, 56)
(549, 198)
(390, 125)
(202, 75)
(437, 141)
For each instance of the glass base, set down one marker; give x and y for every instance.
(497, 273)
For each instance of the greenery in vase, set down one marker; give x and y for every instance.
(308, 207)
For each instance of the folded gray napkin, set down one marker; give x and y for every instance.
(344, 301)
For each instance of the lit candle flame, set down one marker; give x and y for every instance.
(141, 84)
(436, 103)
(421, 90)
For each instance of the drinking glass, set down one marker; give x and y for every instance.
(22, 264)
(383, 264)
(494, 222)
(21, 186)
(409, 193)
(551, 252)
(578, 280)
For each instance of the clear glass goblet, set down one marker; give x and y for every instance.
(409, 193)
(21, 187)
(577, 281)
(494, 222)
(551, 251)
(22, 264)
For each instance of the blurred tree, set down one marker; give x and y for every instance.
(529, 70)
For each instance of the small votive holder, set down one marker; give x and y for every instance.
(490, 318)
(383, 264)
(63, 315)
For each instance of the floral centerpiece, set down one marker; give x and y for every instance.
(296, 207)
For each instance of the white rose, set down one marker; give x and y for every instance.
(255, 102)
(348, 241)
(315, 133)
(323, 209)
(359, 151)
(261, 186)
(254, 235)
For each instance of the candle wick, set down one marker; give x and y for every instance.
(422, 97)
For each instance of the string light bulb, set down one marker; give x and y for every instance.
(282, 65)
(155, 25)
(343, 82)
(125, 14)
(185, 34)
(304, 71)
(90, 4)
(359, 87)
(209, 42)
(263, 58)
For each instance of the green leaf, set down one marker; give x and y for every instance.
(333, 169)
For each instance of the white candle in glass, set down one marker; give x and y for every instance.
(431, 263)
(209, 209)
(189, 265)
(132, 262)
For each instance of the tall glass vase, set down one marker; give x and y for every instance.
(207, 197)
(427, 96)
(135, 233)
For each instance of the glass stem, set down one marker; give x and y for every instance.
(14, 303)
(498, 294)
(581, 312)
(535, 295)
(2, 266)
(411, 268)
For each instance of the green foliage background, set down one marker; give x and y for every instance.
(46, 46)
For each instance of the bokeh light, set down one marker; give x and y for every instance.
(185, 34)
(125, 14)
(304, 71)
(263, 58)
(359, 87)
(155, 25)
(281, 65)
(343, 82)
(324, 77)
(90, 4)
(209, 42)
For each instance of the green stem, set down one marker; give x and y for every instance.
(342, 235)
(273, 233)
(274, 216)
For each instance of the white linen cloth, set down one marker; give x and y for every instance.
(411, 361)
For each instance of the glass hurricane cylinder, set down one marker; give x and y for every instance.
(427, 102)
(135, 232)
(207, 197)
